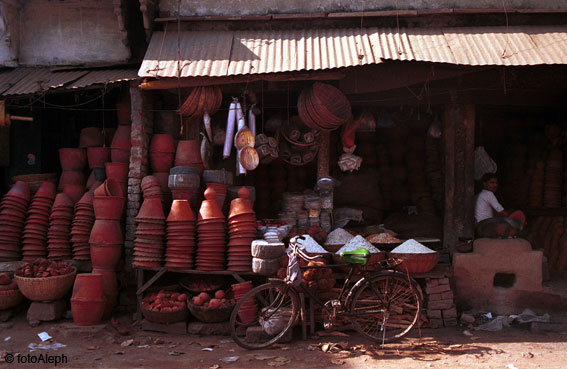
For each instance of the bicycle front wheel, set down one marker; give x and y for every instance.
(385, 308)
(264, 315)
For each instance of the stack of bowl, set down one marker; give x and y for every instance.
(12, 217)
(59, 232)
(162, 152)
(148, 244)
(241, 232)
(34, 243)
(189, 154)
(83, 220)
(323, 107)
(121, 145)
(211, 231)
(246, 312)
(72, 180)
(180, 245)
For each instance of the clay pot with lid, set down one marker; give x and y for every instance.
(241, 205)
(72, 158)
(209, 207)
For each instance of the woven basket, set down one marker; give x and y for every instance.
(208, 315)
(36, 180)
(165, 317)
(10, 299)
(46, 289)
(416, 263)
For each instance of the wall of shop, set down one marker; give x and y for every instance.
(44, 32)
(253, 7)
(9, 33)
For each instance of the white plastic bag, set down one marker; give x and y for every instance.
(276, 322)
(483, 163)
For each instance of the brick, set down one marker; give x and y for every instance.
(431, 313)
(257, 335)
(174, 328)
(133, 205)
(131, 212)
(450, 313)
(431, 283)
(438, 289)
(436, 323)
(441, 304)
(46, 311)
(134, 190)
(134, 182)
(447, 295)
(434, 297)
(134, 197)
(209, 329)
(443, 280)
(450, 322)
(131, 221)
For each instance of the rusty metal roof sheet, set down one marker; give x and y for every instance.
(225, 53)
(102, 76)
(25, 81)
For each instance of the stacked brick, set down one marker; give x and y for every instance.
(440, 302)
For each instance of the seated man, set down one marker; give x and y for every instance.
(492, 220)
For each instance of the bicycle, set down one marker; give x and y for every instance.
(383, 305)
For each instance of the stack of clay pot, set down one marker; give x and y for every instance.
(34, 243)
(150, 232)
(247, 312)
(241, 232)
(211, 232)
(553, 177)
(88, 303)
(72, 180)
(188, 153)
(121, 145)
(107, 238)
(92, 140)
(59, 232)
(180, 245)
(83, 221)
(12, 217)
(119, 173)
(218, 180)
(162, 153)
(184, 183)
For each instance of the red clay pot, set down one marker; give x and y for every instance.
(120, 155)
(105, 256)
(107, 232)
(91, 137)
(47, 189)
(180, 212)
(75, 192)
(151, 209)
(188, 153)
(109, 207)
(87, 312)
(71, 177)
(109, 288)
(162, 143)
(117, 171)
(97, 156)
(121, 139)
(88, 286)
(72, 158)
(113, 188)
(161, 161)
(108, 136)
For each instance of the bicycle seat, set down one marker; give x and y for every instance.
(358, 256)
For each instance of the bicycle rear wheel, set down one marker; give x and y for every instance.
(264, 315)
(384, 308)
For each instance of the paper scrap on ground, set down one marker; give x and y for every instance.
(44, 336)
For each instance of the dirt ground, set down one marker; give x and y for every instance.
(102, 347)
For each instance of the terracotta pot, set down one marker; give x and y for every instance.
(123, 112)
(109, 288)
(114, 188)
(88, 287)
(72, 158)
(121, 139)
(109, 207)
(75, 192)
(161, 161)
(221, 190)
(71, 177)
(151, 209)
(209, 208)
(163, 143)
(87, 312)
(97, 156)
(105, 256)
(120, 155)
(20, 189)
(91, 180)
(108, 136)
(117, 171)
(91, 137)
(107, 232)
(188, 153)
(181, 212)
(241, 205)
(47, 189)
(180, 194)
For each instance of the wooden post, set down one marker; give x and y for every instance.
(459, 123)
(324, 154)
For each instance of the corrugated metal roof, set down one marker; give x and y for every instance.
(102, 76)
(25, 81)
(225, 53)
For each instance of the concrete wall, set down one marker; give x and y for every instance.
(9, 33)
(255, 7)
(71, 32)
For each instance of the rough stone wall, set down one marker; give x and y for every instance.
(71, 32)
(9, 33)
(142, 130)
(255, 7)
